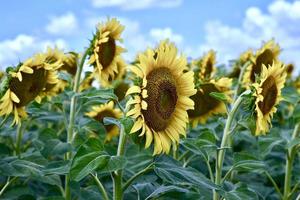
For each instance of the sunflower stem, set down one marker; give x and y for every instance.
(19, 137)
(72, 119)
(100, 187)
(224, 143)
(129, 182)
(289, 165)
(117, 175)
(239, 83)
(8, 182)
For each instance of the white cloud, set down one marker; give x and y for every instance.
(281, 22)
(22, 47)
(166, 33)
(136, 4)
(63, 25)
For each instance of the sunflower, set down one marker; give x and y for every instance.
(87, 81)
(243, 59)
(205, 104)
(268, 95)
(106, 110)
(161, 98)
(289, 68)
(69, 63)
(26, 83)
(206, 65)
(264, 56)
(104, 51)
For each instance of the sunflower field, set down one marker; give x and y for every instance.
(90, 125)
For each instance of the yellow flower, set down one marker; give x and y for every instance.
(87, 81)
(69, 63)
(243, 59)
(264, 56)
(25, 84)
(105, 53)
(206, 105)
(289, 70)
(106, 110)
(268, 95)
(206, 65)
(160, 103)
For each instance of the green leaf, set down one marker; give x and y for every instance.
(115, 163)
(57, 167)
(88, 158)
(163, 190)
(219, 96)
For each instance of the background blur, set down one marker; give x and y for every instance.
(228, 26)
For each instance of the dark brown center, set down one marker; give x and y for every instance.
(265, 58)
(105, 113)
(107, 52)
(161, 100)
(269, 92)
(204, 103)
(30, 87)
(208, 69)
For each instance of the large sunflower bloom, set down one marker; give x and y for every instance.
(25, 84)
(106, 110)
(160, 102)
(205, 104)
(206, 65)
(268, 95)
(264, 56)
(105, 53)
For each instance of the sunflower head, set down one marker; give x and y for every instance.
(69, 63)
(106, 110)
(243, 59)
(104, 51)
(120, 89)
(207, 105)
(267, 95)
(289, 68)
(264, 56)
(24, 84)
(87, 81)
(206, 65)
(162, 97)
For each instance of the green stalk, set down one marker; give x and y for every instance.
(8, 182)
(224, 143)
(289, 165)
(19, 137)
(72, 120)
(100, 187)
(129, 182)
(117, 175)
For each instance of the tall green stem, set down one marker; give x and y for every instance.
(117, 175)
(224, 143)
(289, 165)
(72, 120)
(19, 137)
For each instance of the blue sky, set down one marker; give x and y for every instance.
(228, 26)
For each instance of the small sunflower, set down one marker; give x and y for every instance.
(24, 84)
(206, 65)
(106, 110)
(105, 53)
(289, 68)
(243, 59)
(69, 63)
(87, 81)
(205, 104)
(268, 95)
(162, 97)
(121, 88)
(264, 56)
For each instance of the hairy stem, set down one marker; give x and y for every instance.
(19, 137)
(72, 120)
(8, 182)
(289, 165)
(224, 142)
